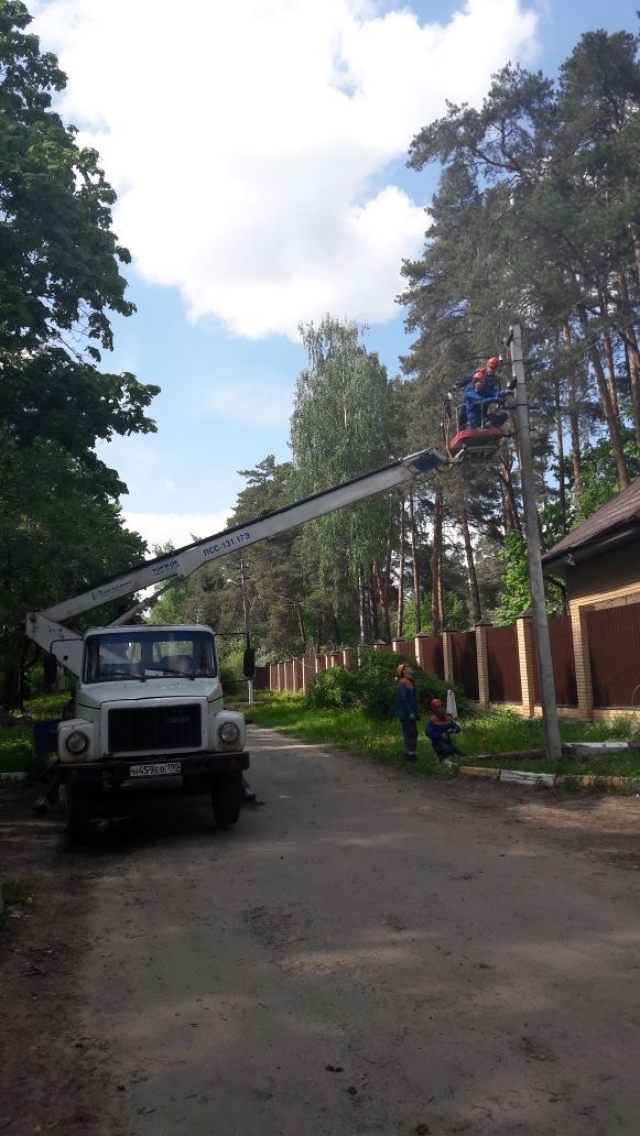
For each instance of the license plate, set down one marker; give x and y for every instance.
(158, 769)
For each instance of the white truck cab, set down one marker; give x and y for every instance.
(148, 706)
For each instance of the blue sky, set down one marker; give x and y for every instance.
(258, 148)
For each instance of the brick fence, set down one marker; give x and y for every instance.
(495, 666)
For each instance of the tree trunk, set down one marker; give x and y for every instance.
(607, 405)
(416, 566)
(303, 633)
(607, 349)
(474, 591)
(383, 578)
(632, 351)
(574, 428)
(437, 614)
(374, 619)
(510, 513)
(362, 617)
(400, 621)
(562, 489)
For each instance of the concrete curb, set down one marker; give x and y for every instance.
(548, 780)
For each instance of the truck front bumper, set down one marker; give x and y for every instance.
(186, 765)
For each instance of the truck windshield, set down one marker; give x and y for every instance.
(128, 653)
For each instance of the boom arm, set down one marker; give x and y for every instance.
(44, 628)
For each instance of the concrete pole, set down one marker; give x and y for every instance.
(520, 413)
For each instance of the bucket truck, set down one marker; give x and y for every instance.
(148, 700)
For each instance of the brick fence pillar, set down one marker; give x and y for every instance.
(349, 659)
(524, 629)
(584, 681)
(484, 693)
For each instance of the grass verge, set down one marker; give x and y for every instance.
(16, 734)
(484, 737)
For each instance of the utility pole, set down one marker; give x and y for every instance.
(245, 608)
(534, 550)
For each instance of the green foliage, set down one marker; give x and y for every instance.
(515, 596)
(16, 748)
(598, 480)
(59, 266)
(334, 689)
(516, 590)
(371, 688)
(230, 680)
(341, 427)
(60, 522)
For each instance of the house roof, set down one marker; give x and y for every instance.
(620, 514)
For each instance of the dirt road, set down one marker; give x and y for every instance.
(366, 953)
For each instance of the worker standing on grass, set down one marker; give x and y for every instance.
(440, 727)
(405, 707)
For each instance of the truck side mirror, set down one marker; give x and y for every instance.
(50, 669)
(249, 663)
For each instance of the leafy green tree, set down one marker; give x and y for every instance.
(59, 274)
(599, 482)
(342, 427)
(60, 529)
(60, 280)
(516, 592)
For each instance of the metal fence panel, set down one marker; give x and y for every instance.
(614, 653)
(465, 662)
(503, 665)
(432, 655)
(564, 663)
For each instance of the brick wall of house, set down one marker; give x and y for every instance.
(610, 579)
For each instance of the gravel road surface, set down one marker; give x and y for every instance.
(367, 952)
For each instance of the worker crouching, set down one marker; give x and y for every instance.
(440, 728)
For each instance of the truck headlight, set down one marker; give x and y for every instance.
(77, 742)
(229, 732)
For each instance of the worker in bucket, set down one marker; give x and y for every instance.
(479, 395)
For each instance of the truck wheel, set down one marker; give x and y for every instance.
(226, 798)
(77, 813)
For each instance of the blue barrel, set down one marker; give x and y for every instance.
(45, 736)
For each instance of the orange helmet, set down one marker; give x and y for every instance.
(478, 376)
(436, 704)
(494, 362)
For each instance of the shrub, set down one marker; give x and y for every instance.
(335, 689)
(372, 687)
(229, 679)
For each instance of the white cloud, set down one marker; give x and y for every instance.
(175, 528)
(244, 138)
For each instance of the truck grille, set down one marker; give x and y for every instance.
(133, 729)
